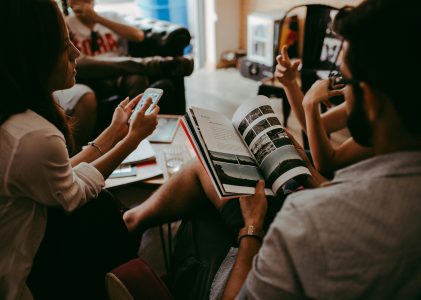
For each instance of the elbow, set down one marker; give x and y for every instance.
(75, 196)
(138, 36)
(69, 205)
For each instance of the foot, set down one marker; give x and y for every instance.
(179, 66)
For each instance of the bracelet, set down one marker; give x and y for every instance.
(259, 238)
(96, 147)
(251, 231)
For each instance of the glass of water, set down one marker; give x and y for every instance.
(174, 158)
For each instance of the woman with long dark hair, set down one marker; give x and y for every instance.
(46, 252)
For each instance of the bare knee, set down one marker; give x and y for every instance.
(196, 167)
(207, 185)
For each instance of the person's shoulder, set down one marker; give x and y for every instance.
(308, 198)
(32, 137)
(321, 203)
(29, 124)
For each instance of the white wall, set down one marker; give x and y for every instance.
(222, 19)
(196, 16)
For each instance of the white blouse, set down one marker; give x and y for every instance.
(35, 172)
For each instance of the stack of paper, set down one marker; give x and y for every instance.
(139, 165)
(144, 152)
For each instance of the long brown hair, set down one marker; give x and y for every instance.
(33, 31)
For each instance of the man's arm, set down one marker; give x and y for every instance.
(86, 13)
(284, 266)
(125, 31)
(242, 266)
(253, 209)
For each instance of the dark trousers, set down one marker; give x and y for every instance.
(78, 249)
(202, 243)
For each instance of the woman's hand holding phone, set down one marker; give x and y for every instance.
(152, 93)
(142, 124)
(123, 137)
(120, 125)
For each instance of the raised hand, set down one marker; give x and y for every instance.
(320, 93)
(122, 113)
(119, 125)
(143, 125)
(84, 11)
(286, 71)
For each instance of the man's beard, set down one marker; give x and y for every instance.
(357, 121)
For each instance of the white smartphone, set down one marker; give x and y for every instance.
(154, 94)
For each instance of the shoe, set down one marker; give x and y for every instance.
(180, 66)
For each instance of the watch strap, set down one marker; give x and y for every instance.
(251, 231)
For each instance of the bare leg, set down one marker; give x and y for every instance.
(84, 115)
(182, 194)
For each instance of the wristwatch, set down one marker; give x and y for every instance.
(251, 231)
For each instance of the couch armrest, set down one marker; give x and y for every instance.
(161, 38)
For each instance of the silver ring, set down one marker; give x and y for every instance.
(122, 106)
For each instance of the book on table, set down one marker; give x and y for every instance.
(139, 165)
(124, 171)
(252, 146)
(143, 153)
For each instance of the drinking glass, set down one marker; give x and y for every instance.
(174, 158)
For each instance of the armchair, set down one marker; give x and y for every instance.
(135, 280)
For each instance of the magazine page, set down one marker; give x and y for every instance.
(191, 129)
(143, 152)
(266, 139)
(229, 159)
(142, 171)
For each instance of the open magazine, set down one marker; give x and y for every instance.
(237, 153)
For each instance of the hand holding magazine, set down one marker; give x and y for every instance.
(237, 153)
